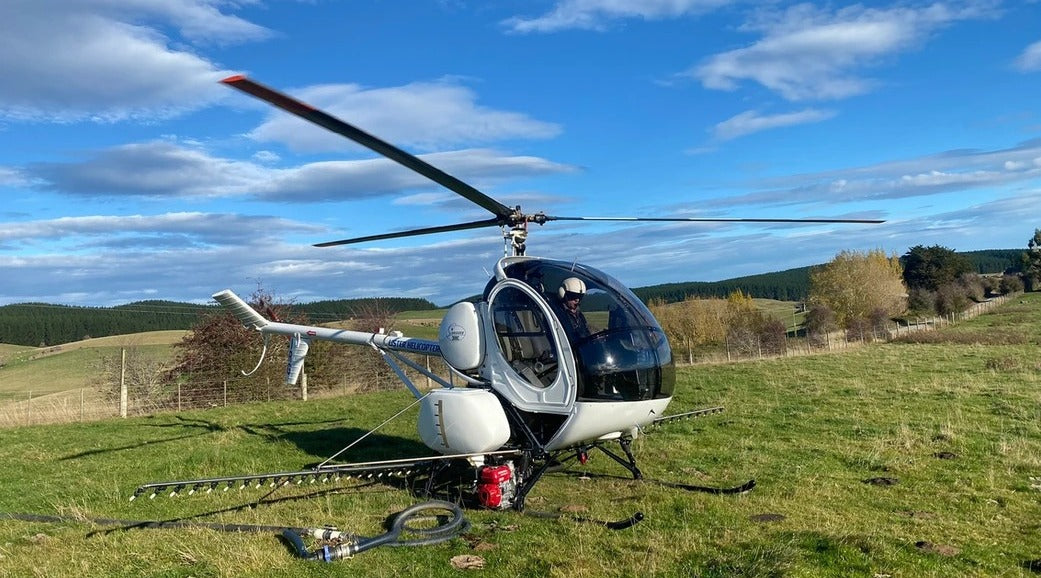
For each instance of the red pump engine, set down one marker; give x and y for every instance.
(496, 486)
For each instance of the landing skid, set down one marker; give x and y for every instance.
(453, 478)
(629, 463)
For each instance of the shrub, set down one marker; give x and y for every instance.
(1010, 284)
(921, 302)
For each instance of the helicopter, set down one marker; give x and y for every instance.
(542, 383)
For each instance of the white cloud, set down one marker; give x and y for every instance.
(424, 115)
(266, 157)
(751, 121)
(10, 177)
(946, 172)
(1030, 59)
(595, 14)
(808, 53)
(164, 169)
(152, 169)
(205, 228)
(110, 60)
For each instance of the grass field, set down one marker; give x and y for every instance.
(903, 459)
(71, 366)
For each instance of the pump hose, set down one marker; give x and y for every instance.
(444, 531)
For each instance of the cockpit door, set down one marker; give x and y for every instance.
(531, 363)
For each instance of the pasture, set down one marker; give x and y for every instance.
(913, 458)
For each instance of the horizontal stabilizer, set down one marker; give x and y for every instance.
(240, 309)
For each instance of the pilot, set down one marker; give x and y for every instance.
(571, 292)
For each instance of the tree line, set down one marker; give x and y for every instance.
(42, 324)
(794, 284)
(859, 292)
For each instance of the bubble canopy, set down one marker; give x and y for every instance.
(621, 353)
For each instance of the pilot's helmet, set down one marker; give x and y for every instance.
(572, 288)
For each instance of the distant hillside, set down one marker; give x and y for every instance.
(41, 324)
(794, 284)
(788, 285)
(991, 261)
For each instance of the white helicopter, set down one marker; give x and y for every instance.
(543, 385)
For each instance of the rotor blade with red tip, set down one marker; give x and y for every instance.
(325, 120)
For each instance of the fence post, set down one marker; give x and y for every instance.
(178, 397)
(81, 404)
(123, 382)
(225, 393)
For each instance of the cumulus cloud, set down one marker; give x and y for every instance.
(165, 169)
(596, 14)
(108, 60)
(808, 53)
(423, 115)
(751, 121)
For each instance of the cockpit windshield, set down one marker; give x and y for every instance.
(620, 350)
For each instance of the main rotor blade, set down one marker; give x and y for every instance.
(414, 232)
(325, 120)
(712, 220)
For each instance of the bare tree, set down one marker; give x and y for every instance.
(142, 374)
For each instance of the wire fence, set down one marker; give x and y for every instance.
(20, 408)
(36, 407)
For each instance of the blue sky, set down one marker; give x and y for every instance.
(129, 172)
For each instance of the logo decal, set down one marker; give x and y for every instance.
(455, 332)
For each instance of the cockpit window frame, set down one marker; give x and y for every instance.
(525, 336)
(647, 374)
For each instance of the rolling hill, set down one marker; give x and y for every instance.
(43, 324)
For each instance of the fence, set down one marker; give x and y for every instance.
(753, 347)
(93, 403)
(87, 404)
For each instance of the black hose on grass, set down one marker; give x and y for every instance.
(447, 527)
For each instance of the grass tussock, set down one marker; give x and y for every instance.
(904, 459)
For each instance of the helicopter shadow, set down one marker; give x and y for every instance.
(325, 443)
(319, 441)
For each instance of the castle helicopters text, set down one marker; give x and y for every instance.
(543, 385)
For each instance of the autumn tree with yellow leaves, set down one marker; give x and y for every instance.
(860, 286)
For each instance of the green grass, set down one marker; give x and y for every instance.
(957, 433)
(74, 365)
